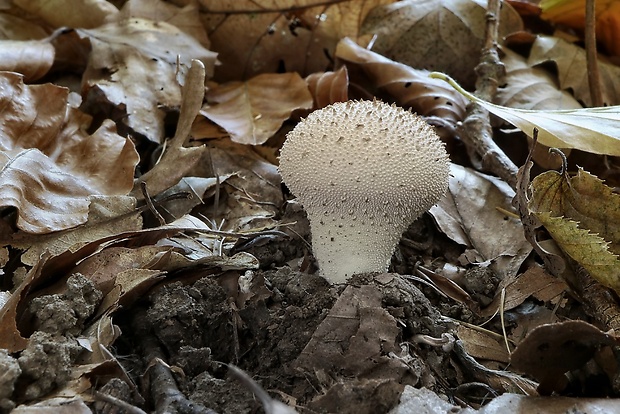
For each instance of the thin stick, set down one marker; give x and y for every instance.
(476, 129)
(594, 77)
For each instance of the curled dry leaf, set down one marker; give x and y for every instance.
(133, 65)
(587, 129)
(528, 87)
(186, 18)
(572, 13)
(442, 35)
(582, 215)
(254, 110)
(85, 14)
(409, 87)
(295, 36)
(549, 351)
(572, 68)
(31, 58)
(329, 87)
(49, 165)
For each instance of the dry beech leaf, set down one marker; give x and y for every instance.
(49, 165)
(133, 65)
(329, 87)
(549, 351)
(254, 110)
(278, 37)
(107, 216)
(409, 87)
(582, 215)
(83, 13)
(442, 35)
(572, 69)
(17, 28)
(572, 13)
(528, 87)
(31, 58)
(187, 18)
(468, 215)
(177, 160)
(588, 129)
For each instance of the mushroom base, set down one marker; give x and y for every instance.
(343, 249)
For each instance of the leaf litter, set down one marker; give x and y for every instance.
(149, 219)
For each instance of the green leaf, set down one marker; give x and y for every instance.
(595, 130)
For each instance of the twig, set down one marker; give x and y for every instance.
(476, 129)
(594, 77)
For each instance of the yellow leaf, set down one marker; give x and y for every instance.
(582, 215)
(593, 130)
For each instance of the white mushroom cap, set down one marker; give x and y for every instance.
(364, 171)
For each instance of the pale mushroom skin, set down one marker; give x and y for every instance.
(363, 171)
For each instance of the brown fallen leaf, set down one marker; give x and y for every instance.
(133, 66)
(549, 351)
(572, 69)
(329, 87)
(411, 88)
(31, 58)
(86, 14)
(291, 37)
(252, 111)
(50, 165)
(441, 35)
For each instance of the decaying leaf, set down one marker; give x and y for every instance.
(329, 87)
(582, 216)
(528, 87)
(572, 69)
(31, 58)
(551, 350)
(589, 129)
(83, 13)
(133, 65)
(277, 37)
(572, 13)
(441, 35)
(409, 87)
(252, 111)
(469, 215)
(50, 165)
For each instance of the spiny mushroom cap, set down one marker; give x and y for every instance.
(364, 171)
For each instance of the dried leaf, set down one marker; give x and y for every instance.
(588, 129)
(254, 110)
(178, 160)
(329, 87)
(572, 68)
(528, 87)
(551, 350)
(582, 216)
(476, 222)
(572, 13)
(49, 165)
(83, 13)
(31, 58)
(409, 87)
(133, 65)
(278, 36)
(107, 216)
(442, 35)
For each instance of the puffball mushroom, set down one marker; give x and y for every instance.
(363, 171)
